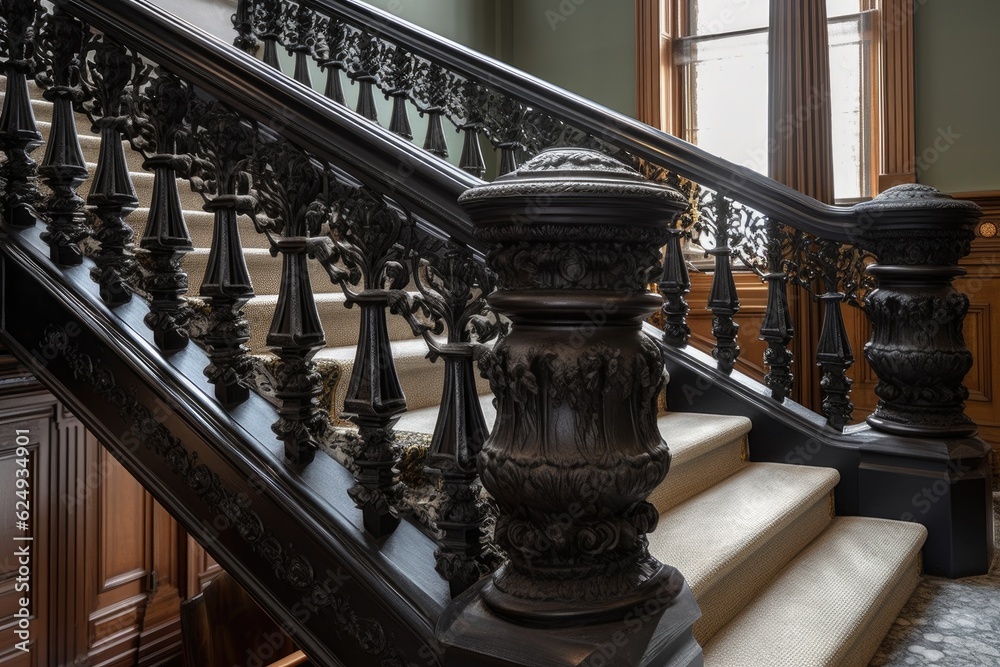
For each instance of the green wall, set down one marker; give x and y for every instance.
(957, 96)
(586, 46)
(468, 22)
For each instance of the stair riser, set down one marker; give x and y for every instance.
(340, 323)
(687, 479)
(422, 383)
(265, 272)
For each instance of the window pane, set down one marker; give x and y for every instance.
(842, 7)
(711, 17)
(850, 83)
(726, 97)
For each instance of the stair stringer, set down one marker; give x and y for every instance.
(292, 538)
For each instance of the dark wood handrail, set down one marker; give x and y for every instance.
(766, 195)
(423, 184)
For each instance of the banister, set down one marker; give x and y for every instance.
(763, 194)
(427, 185)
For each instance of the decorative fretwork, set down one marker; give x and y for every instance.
(223, 145)
(332, 57)
(303, 31)
(433, 87)
(833, 353)
(243, 24)
(363, 67)
(268, 24)
(397, 80)
(452, 289)
(365, 254)
(288, 184)
(161, 132)
(63, 169)
(110, 72)
(19, 135)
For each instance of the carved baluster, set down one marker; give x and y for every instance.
(223, 148)
(432, 91)
(63, 169)
(334, 60)
(288, 185)
(673, 285)
(19, 136)
(366, 244)
(833, 352)
(269, 19)
(398, 77)
(776, 329)
(365, 56)
(301, 37)
(112, 196)
(243, 22)
(723, 300)
(469, 103)
(505, 129)
(575, 449)
(452, 295)
(162, 134)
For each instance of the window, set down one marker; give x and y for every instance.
(703, 67)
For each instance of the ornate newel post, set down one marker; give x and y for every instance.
(575, 237)
(919, 354)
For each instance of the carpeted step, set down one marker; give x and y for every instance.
(732, 539)
(424, 419)
(421, 380)
(704, 450)
(832, 605)
(340, 323)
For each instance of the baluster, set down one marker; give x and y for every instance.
(301, 38)
(288, 185)
(432, 90)
(243, 21)
(270, 18)
(575, 449)
(723, 300)
(112, 196)
(469, 103)
(364, 67)
(398, 77)
(452, 295)
(223, 146)
(63, 168)
(505, 129)
(366, 244)
(776, 329)
(337, 41)
(833, 353)
(19, 136)
(162, 130)
(674, 284)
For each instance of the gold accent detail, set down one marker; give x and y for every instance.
(744, 450)
(987, 229)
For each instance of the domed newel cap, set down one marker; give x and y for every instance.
(918, 235)
(915, 224)
(574, 237)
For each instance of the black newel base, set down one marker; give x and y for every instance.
(943, 484)
(655, 631)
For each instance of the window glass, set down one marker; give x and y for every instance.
(712, 17)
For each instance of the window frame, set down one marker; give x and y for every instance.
(660, 97)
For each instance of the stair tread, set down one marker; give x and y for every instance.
(826, 599)
(710, 534)
(415, 347)
(424, 419)
(690, 434)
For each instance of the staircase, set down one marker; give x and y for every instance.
(778, 577)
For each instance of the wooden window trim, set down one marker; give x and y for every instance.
(659, 101)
